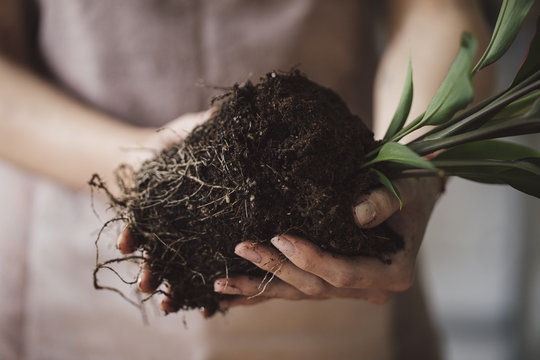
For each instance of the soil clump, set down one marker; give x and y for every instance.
(280, 156)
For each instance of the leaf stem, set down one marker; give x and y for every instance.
(412, 126)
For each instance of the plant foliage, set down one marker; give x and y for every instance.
(464, 141)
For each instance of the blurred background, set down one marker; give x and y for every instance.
(481, 257)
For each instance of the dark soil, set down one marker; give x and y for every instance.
(280, 156)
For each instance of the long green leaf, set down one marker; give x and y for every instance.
(488, 149)
(494, 162)
(404, 106)
(509, 22)
(385, 181)
(523, 175)
(482, 114)
(476, 115)
(456, 90)
(529, 123)
(400, 154)
(518, 107)
(532, 60)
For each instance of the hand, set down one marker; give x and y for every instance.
(154, 140)
(301, 270)
(172, 132)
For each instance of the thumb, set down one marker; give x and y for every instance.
(376, 207)
(180, 127)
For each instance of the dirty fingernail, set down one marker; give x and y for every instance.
(222, 286)
(283, 245)
(365, 212)
(248, 253)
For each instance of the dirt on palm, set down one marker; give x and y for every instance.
(280, 156)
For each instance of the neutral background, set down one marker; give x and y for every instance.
(481, 258)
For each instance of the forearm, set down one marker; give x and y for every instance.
(429, 31)
(46, 131)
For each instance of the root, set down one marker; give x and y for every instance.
(96, 182)
(104, 265)
(264, 283)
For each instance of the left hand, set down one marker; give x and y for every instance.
(302, 270)
(170, 133)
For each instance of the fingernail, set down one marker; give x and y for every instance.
(118, 241)
(139, 282)
(248, 253)
(222, 286)
(284, 245)
(121, 241)
(212, 111)
(365, 212)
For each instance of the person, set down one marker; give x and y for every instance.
(110, 74)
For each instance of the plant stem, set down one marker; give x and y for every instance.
(412, 126)
(417, 174)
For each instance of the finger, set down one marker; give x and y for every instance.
(347, 272)
(254, 287)
(380, 204)
(207, 314)
(169, 305)
(241, 301)
(148, 282)
(269, 259)
(126, 242)
(180, 127)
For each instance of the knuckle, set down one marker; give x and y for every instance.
(313, 288)
(385, 202)
(299, 296)
(305, 264)
(343, 280)
(403, 281)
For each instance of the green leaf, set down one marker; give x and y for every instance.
(480, 114)
(523, 175)
(532, 60)
(456, 90)
(494, 162)
(517, 108)
(528, 123)
(388, 184)
(534, 111)
(509, 22)
(404, 106)
(488, 149)
(400, 154)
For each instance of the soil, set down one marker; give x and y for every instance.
(280, 156)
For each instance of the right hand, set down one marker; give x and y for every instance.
(304, 271)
